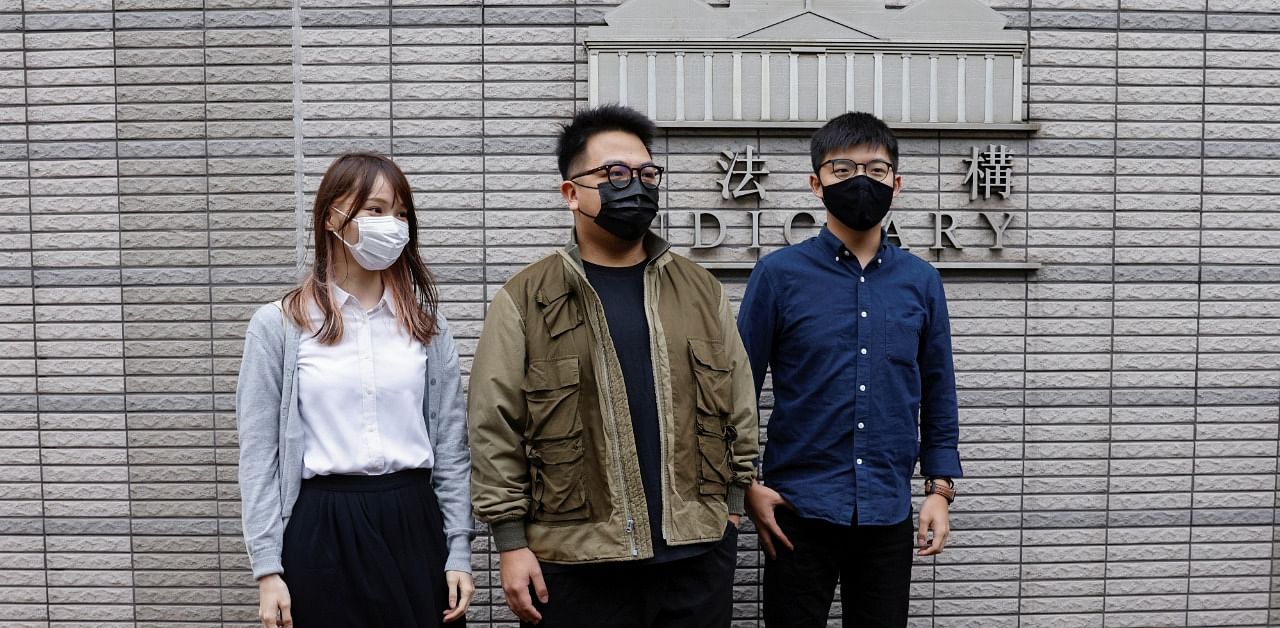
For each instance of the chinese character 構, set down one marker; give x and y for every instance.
(747, 165)
(991, 170)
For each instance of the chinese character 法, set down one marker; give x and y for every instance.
(747, 165)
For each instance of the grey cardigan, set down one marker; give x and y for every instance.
(271, 440)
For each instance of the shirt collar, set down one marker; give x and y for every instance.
(343, 298)
(831, 243)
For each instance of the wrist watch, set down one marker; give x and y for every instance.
(946, 489)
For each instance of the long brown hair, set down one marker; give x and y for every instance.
(413, 289)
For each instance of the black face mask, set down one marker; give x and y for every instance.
(627, 213)
(859, 201)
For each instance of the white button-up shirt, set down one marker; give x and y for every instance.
(361, 398)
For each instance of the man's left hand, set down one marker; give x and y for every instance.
(934, 515)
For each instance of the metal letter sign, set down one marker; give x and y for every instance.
(991, 170)
(748, 166)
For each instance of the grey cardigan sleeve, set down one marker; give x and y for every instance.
(451, 476)
(258, 408)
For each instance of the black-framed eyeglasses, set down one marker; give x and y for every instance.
(620, 175)
(845, 168)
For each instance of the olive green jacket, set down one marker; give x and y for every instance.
(554, 466)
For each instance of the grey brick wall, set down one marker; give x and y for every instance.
(1120, 405)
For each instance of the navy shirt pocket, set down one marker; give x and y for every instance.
(902, 338)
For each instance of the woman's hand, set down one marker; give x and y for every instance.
(273, 602)
(461, 589)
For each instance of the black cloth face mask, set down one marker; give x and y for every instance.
(627, 213)
(859, 201)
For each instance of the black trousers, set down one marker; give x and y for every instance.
(366, 551)
(695, 592)
(871, 563)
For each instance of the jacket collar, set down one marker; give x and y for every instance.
(655, 248)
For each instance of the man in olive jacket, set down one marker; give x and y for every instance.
(612, 409)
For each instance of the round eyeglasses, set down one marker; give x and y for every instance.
(845, 168)
(620, 175)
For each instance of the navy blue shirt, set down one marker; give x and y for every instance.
(621, 292)
(863, 380)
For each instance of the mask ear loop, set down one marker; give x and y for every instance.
(339, 235)
(597, 189)
(335, 234)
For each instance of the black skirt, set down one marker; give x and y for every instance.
(367, 551)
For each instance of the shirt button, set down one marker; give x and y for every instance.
(860, 426)
(862, 387)
(862, 280)
(433, 380)
(864, 315)
(864, 351)
(859, 460)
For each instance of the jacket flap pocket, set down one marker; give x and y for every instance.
(559, 310)
(712, 374)
(558, 479)
(709, 353)
(551, 374)
(556, 451)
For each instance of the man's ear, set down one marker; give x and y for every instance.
(815, 185)
(570, 193)
(897, 185)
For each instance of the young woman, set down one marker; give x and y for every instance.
(354, 466)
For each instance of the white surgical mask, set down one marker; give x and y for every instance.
(382, 238)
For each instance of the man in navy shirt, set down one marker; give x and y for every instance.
(859, 340)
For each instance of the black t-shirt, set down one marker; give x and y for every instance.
(621, 291)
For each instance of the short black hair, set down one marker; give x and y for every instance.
(588, 122)
(856, 128)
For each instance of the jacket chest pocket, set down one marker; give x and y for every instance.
(714, 402)
(554, 444)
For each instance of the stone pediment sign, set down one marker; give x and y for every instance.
(933, 64)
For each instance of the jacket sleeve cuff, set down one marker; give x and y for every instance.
(737, 499)
(509, 535)
(940, 462)
(265, 565)
(459, 553)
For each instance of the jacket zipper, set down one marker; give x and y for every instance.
(652, 314)
(629, 530)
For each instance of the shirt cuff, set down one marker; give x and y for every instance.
(459, 554)
(940, 462)
(264, 565)
(509, 535)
